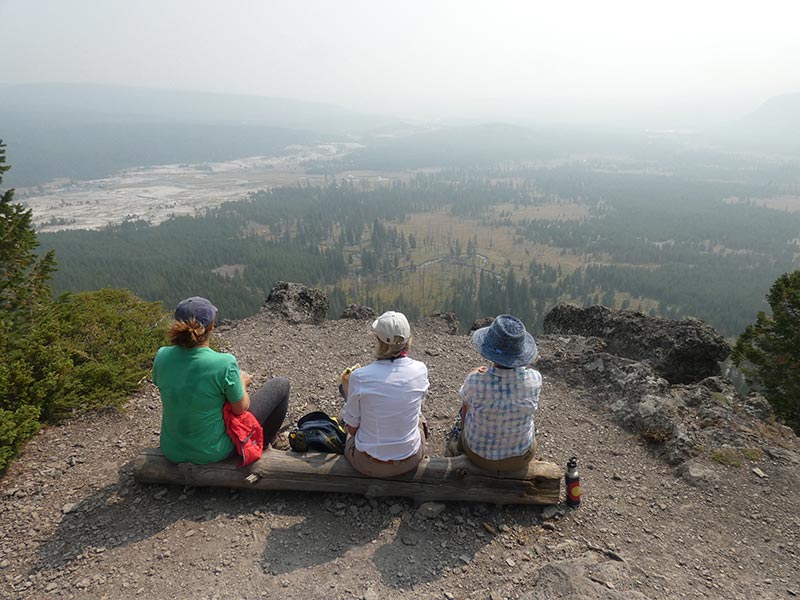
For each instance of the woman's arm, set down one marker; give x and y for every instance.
(241, 407)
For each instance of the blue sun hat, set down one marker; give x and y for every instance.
(505, 342)
(198, 308)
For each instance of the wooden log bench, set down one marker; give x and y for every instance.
(435, 479)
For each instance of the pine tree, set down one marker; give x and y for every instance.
(769, 350)
(23, 291)
(24, 282)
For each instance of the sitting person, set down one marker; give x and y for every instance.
(495, 427)
(384, 402)
(196, 381)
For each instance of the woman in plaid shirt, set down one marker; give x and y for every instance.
(495, 428)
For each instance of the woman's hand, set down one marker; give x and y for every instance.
(481, 369)
(247, 379)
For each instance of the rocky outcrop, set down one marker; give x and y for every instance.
(684, 351)
(677, 421)
(358, 312)
(297, 303)
(481, 323)
(445, 322)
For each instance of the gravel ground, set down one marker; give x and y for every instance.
(74, 523)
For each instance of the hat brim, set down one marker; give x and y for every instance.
(521, 359)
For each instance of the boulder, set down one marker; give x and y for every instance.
(297, 303)
(697, 474)
(481, 323)
(358, 312)
(445, 322)
(684, 351)
(758, 406)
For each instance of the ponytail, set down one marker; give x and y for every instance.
(188, 334)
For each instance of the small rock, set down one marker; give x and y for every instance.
(449, 596)
(395, 509)
(490, 528)
(5, 564)
(82, 584)
(510, 562)
(68, 508)
(549, 512)
(410, 539)
(548, 526)
(160, 493)
(51, 587)
(189, 533)
(431, 510)
(504, 528)
(759, 472)
(696, 474)
(465, 559)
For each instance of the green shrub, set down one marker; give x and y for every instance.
(730, 457)
(753, 454)
(83, 352)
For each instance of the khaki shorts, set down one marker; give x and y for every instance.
(372, 467)
(504, 465)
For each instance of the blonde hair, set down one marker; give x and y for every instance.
(384, 351)
(188, 334)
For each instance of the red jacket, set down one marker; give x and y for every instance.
(245, 432)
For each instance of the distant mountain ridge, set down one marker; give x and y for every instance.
(84, 131)
(108, 102)
(772, 126)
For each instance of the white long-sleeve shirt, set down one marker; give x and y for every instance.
(385, 401)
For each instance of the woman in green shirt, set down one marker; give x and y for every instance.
(195, 382)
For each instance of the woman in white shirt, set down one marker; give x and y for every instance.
(384, 404)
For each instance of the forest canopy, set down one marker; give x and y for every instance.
(474, 241)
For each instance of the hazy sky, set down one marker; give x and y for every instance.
(416, 57)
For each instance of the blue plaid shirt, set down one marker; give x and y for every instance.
(501, 405)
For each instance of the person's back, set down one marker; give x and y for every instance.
(495, 427)
(384, 403)
(194, 384)
(389, 396)
(502, 402)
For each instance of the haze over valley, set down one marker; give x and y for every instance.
(421, 189)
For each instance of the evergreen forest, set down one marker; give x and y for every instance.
(696, 240)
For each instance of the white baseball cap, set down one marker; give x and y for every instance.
(391, 325)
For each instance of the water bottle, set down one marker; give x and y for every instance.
(573, 483)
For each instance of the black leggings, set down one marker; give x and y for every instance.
(269, 405)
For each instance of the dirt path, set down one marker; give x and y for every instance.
(74, 524)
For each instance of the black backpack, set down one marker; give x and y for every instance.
(320, 432)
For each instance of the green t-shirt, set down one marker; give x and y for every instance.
(194, 385)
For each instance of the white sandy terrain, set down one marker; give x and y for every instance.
(157, 193)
